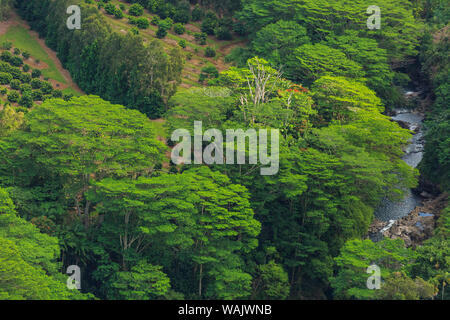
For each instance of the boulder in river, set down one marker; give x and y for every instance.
(417, 226)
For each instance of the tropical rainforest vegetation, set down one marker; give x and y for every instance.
(87, 180)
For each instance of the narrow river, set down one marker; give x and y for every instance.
(394, 210)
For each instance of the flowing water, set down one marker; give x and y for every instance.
(394, 210)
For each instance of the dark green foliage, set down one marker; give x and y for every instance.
(277, 42)
(399, 33)
(161, 33)
(36, 73)
(208, 72)
(37, 95)
(142, 23)
(197, 13)
(436, 161)
(36, 83)
(26, 100)
(15, 84)
(182, 43)
(25, 55)
(94, 177)
(6, 56)
(182, 13)
(13, 96)
(94, 55)
(25, 87)
(200, 37)
(16, 61)
(155, 20)
(5, 9)
(28, 260)
(136, 9)
(222, 33)
(110, 8)
(118, 13)
(209, 23)
(178, 28)
(5, 78)
(210, 52)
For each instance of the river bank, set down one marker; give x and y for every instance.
(414, 217)
(413, 228)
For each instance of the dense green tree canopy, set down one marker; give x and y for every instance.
(93, 140)
(87, 180)
(28, 267)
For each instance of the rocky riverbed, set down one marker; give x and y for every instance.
(413, 218)
(413, 228)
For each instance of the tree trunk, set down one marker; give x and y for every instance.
(200, 281)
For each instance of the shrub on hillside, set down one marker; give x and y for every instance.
(240, 28)
(5, 78)
(110, 8)
(25, 87)
(155, 21)
(136, 10)
(161, 33)
(200, 37)
(57, 93)
(210, 52)
(26, 55)
(36, 73)
(15, 72)
(197, 13)
(13, 96)
(142, 23)
(25, 77)
(222, 33)
(182, 43)
(167, 23)
(15, 84)
(16, 61)
(6, 56)
(132, 20)
(26, 100)
(209, 23)
(67, 96)
(178, 28)
(166, 10)
(118, 13)
(37, 95)
(208, 72)
(7, 45)
(46, 87)
(182, 13)
(134, 30)
(36, 84)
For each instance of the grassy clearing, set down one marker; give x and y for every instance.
(21, 38)
(195, 50)
(72, 91)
